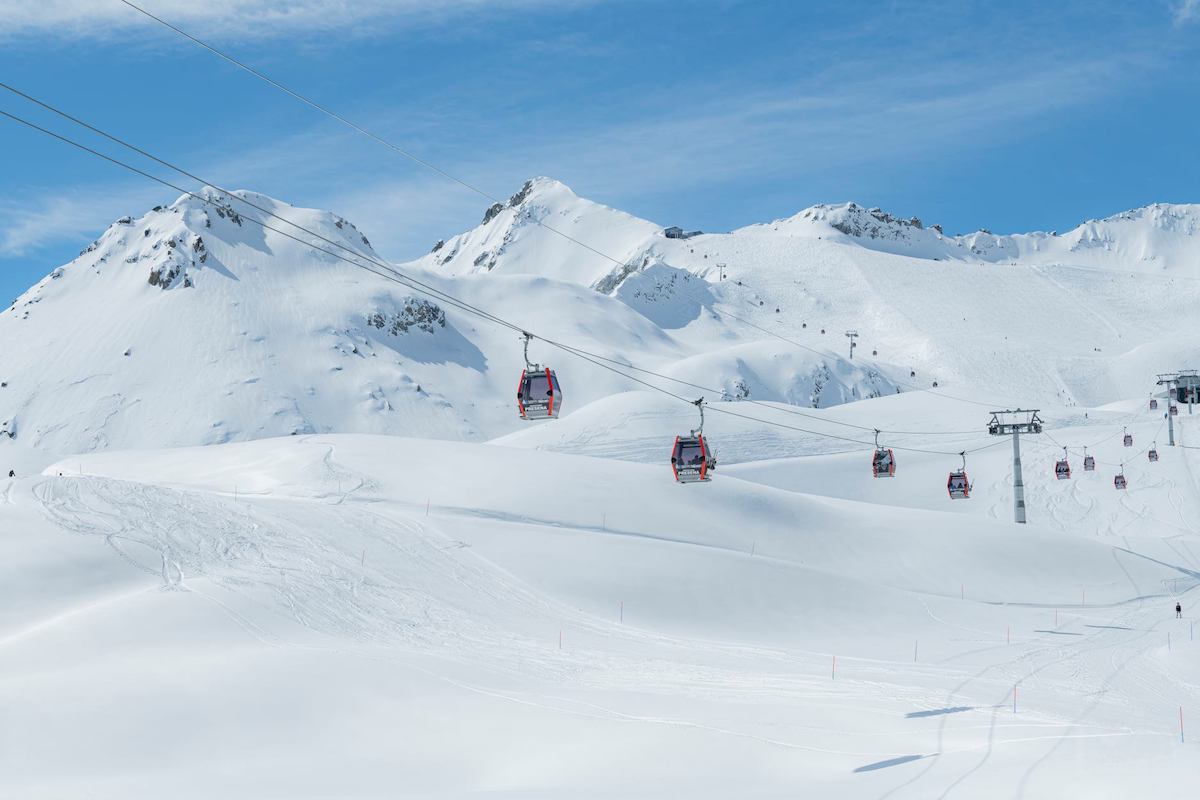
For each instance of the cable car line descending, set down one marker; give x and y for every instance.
(1172, 409)
(463, 306)
(353, 125)
(1120, 482)
(438, 293)
(390, 273)
(176, 168)
(449, 176)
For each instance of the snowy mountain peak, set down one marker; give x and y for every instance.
(1165, 216)
(532, 233)
(172, 243)
(853, 219)
(1161, 236)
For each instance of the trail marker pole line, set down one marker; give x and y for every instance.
(427, 506)
(1014, 699)
(915, 645)
(622, 611)
(833, 673)
(1008, 635)
(1181, 724)
(560, 638)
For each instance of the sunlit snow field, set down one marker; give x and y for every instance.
(257, 546)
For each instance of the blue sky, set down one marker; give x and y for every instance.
(711, 115)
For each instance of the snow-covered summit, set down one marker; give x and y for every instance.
(532, 234)
(192, 324)
(1161, 236)
(168, 242)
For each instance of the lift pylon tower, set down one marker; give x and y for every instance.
(1189, 381)
(1170, 380)
(852, 335)
(1015, 422)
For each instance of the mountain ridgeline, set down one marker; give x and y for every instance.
(192, 324)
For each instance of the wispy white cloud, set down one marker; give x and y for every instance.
(865, 115)
(1186, 11)
(239, 18)
(76, 215)
(858, 117)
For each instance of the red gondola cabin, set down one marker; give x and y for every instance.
(692, 460)
(538, 394)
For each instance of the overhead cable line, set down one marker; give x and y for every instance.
(412, 282)
(399, 278)
(408, 154)
(351, 124)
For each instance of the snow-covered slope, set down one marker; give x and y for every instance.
(323, 618)
(343, 613)
(532, 234)
(1162, 237)
(193, 325)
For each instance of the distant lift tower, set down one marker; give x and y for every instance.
(1182, 387)
(1016, 422)
(1187, 385)
(852, 335)
(1168, 379)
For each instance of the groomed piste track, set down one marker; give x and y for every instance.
(331, 614)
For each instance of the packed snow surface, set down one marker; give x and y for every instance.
(276, 531)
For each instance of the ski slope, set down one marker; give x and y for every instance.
(362, 615)
(276, 530)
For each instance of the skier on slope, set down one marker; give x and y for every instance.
(1178, 611)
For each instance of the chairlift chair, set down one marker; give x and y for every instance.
(692, 459)
(538, 393)
(1128, 438)
(1062, 468)
(883, 461)
(958, 485)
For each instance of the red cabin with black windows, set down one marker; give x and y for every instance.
(692, 460)
(958, 485)
(1062, 467)
(538, 394)
(883, 463)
